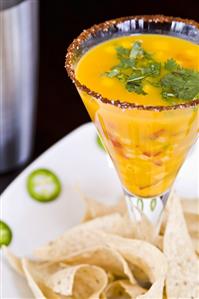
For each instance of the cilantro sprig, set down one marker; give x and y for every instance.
(179, 82)
(134, 66)
(137, 67)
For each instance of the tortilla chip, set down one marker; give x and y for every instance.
(116, 291)
(136, 252)
(190, 205)
(123, 289)
(192, 221)
(159, 242)
(145, 256)
(183, 272)
(139, 253)
(96, 209)
(196, 245)
(100, 260)
(83, 236)
(105, 257)
(14, 261)
(132, 290)
(35, 284)
(140, 276)
(144, 229)
(37, 276)
(81, 281)
(49, 294)
(111, 277)
(155, 292)
(31, 281)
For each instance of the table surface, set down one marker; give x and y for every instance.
(59, 108)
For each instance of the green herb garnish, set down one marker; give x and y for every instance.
(5, 234)
(181, 84)
(136, 51)
(137, 67)
(171, 65)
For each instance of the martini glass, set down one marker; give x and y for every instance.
(147, 144)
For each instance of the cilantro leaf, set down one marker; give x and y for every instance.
(152, 69)
(113, 72)
(126, 63)
(134, 66)
(181, 84)
(136, 51)
(196, 96)
(122, 52)
(171, 65)
(136, 76)
(135, 87)
(137, 67)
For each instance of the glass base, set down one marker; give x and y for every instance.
(149, 208)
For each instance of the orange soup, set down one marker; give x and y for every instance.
(147, 147)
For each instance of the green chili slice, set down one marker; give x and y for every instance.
(43, 185)
(5, 234)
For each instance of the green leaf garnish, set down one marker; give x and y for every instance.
(196, 97)
(113, 72)
(137, 51)
(136, 87)
(171, 65)
(122, 52)
(134, 83)
(135, 65)
(181, 84)
(138, 67)
(153, 69)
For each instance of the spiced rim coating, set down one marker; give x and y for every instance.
(105, 27)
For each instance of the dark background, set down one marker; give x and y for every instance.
(59, 108)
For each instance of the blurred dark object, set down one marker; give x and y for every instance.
(60, 109)
(18, 62)
(5, 4)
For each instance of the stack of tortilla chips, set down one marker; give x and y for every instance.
(105, 258)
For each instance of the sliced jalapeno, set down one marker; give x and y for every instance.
(43, 185)
(5, 234)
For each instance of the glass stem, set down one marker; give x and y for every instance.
(146, 211)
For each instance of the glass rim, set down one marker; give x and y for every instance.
(75, 45)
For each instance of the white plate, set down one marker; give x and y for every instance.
(78, 161)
